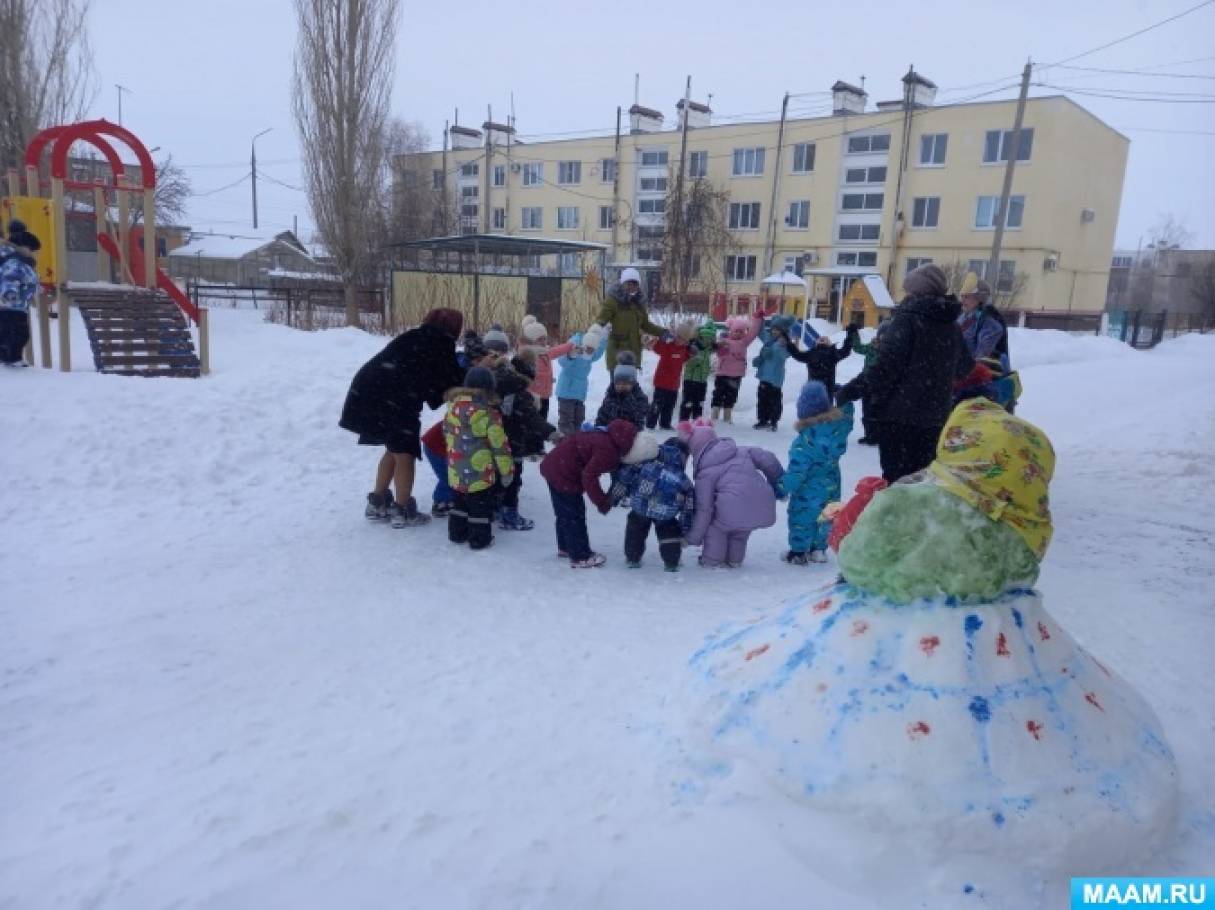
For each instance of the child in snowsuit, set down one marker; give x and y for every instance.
(735, 494)
(813, 477)
(672, 353)
(572, 382)
(535, 338)
(870, 353)
(652, 483)
(478, 459)
(434, 448)
(770, 370)
(732, 363)
(18, 286)
(624, 399)
(574, 468)
(696, 372)
(525, 428)
(821, 357)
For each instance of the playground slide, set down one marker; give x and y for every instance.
(163, 281)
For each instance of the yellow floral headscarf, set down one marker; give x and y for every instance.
(1001, 465)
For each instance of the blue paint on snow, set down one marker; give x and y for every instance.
(979, 709)
(968, 889)
(998, 818)
(1016, 614)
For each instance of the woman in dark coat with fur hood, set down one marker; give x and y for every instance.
(384, 407)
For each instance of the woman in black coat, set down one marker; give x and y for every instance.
(384, 407)
(909, 388)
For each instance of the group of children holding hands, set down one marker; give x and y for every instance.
(498, 419)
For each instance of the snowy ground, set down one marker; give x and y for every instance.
(222, 687)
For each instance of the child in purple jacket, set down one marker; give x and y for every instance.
(735, 494)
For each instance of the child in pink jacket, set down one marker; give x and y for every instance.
(536, 337)
(735, 494)
(732, 363)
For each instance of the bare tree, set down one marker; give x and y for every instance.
(1170, 232)
(1005, 292)
(1202, 288)
(344, 61)
(172, 193)
(413, 207)
(46, 69)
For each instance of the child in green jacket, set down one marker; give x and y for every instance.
(696, 372)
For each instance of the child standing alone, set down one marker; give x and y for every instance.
(813, 477)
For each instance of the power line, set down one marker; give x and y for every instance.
(1131, 91)
(1135, 34)
(1140, 72)
(1123, 97)
(227, 186)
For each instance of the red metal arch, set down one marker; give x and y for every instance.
(91, 131)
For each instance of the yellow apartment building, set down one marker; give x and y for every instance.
(856, 192)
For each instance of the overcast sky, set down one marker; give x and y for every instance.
(205, 77)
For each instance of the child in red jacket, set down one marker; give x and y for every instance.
(672, 353)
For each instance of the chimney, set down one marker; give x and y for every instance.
(848, 99)
(644, 120)
(698, 114)
(464, 137)
(923, 91)
(497, 132)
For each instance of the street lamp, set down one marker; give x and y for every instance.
(253, 166)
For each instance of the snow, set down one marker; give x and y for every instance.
(222, 246)
(224, 688)
(789, 278)
(877, 290)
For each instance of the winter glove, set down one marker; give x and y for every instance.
(604, 507)
(844, 394)
(587, 426)
(779, 491)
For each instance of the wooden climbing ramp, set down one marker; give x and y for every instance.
(136, 331)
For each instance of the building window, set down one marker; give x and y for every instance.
(860, 145)
(932, 149)
(569, 172)
(607, 218)
(499, 175)
(863, 202)
(744, 216)
(1008, 276)
(469, 192)
(748, 162)
(925, 210)
(436, 179)
(803, 157)
(653, 184)
(698, 164)
(740, 268)
(650, 232)
(568, 264)
(978, 266)
(651, 206)
(533, 173)
(649, 254)
(1122, 262)
(654, 159)
(472, 169)
(469, 211)
(985, 212)
(567, 218)
(914, 263)
(860, 231)
(533, 218)
(998, 143)
(864, 260)
(607, 170)
(799, 215)
(865, 175)
(499, 216)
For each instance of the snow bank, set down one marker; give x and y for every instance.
(1040, 347)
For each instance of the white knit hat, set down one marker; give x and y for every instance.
(533, 330)
(630, 274)
(645, 448)
(592, 337)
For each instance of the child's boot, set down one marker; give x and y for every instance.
(729, 415)
(407, 515)
(378, 506)
(510, 520)
(818, 555)
(794, 558)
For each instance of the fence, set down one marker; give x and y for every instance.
(309, 308)
(1146, 330)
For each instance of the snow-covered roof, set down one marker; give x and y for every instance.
(877, 290)
(222, 246)
(785, 278)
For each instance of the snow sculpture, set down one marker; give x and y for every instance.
(929, 706)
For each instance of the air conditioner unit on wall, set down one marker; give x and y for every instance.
(810, 257)
(1087, 216)
(1051, 263)
(516, 168)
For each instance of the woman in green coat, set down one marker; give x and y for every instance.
(625, 311)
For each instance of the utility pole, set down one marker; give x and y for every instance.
(253, 168)
(510, 136)
(443, 187)
(898, 221)
(615, 190)
(770, 240)
(489, 164)
(121, 89)
(678, 251)
(993, 262)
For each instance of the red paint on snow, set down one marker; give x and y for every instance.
(1102, 666)
(755, 652)
(822, 605)
(1034, 729)
(919, 728)
(1042, 633)
(860, 627)
(1091, 698)
(821, 687)
(928, 644)
(1001, 645)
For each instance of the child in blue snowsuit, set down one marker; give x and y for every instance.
(18, 286)
(653, 483)
(813, 477)
(572, 381)
(770, 370)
